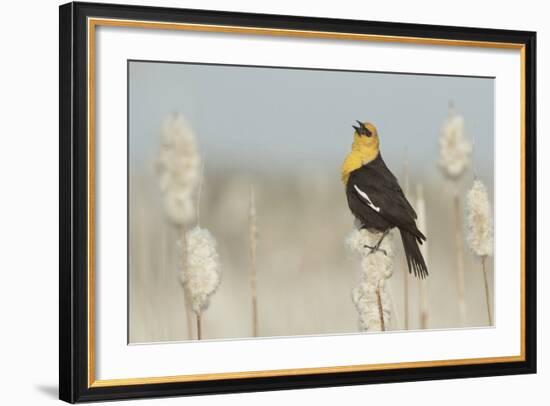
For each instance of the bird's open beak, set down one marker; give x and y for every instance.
(362, 129)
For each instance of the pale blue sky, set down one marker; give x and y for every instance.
(268, 119)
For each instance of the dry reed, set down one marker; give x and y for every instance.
(253, 243)
(423, 283)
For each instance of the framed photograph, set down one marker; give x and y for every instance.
(257, 202)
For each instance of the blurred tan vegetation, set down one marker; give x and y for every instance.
(305, 275)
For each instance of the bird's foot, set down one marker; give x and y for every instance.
(375, 248)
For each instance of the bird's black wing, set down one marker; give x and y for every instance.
(378, 188)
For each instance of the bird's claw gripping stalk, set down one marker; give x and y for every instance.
(377, 246)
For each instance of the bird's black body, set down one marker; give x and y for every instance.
(388, 208)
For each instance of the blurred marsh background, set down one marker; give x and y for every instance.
(285, 133)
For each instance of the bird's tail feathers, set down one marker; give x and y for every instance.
(415, 260)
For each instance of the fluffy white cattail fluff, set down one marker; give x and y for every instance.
(480, 232)
(372, 298)
(454, 148)
(201, 270)
(479, 220)
(178, 169)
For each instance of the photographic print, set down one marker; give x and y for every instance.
(255, 202)
(281, 201)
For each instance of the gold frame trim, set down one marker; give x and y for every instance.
(94, 22)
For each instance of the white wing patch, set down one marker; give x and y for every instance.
(366, 197)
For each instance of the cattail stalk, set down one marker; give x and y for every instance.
(372, 297)
(201, 274)
(423, 283)
(487, 299)
(454, 158)
(199, 326)
(480, 232)
(380, 308)
(178, 175)
(253, 243)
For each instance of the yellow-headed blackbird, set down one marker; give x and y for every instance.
(376, 199)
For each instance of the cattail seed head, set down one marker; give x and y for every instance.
(200, 268)
(376, 269)
(178, 169)
(454, 148)
(366, 297)
(381, 261)
(479, 220)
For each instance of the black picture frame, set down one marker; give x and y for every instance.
(74, 199)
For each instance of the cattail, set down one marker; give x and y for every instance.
(178, 169)
(480, 231)
(253, 243)
(201, 271)
(454, 148)
(454, 158)
(372, 298)
(479, 220)
(423, 283)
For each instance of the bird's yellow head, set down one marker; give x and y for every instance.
(365, 139)
(364, 149)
